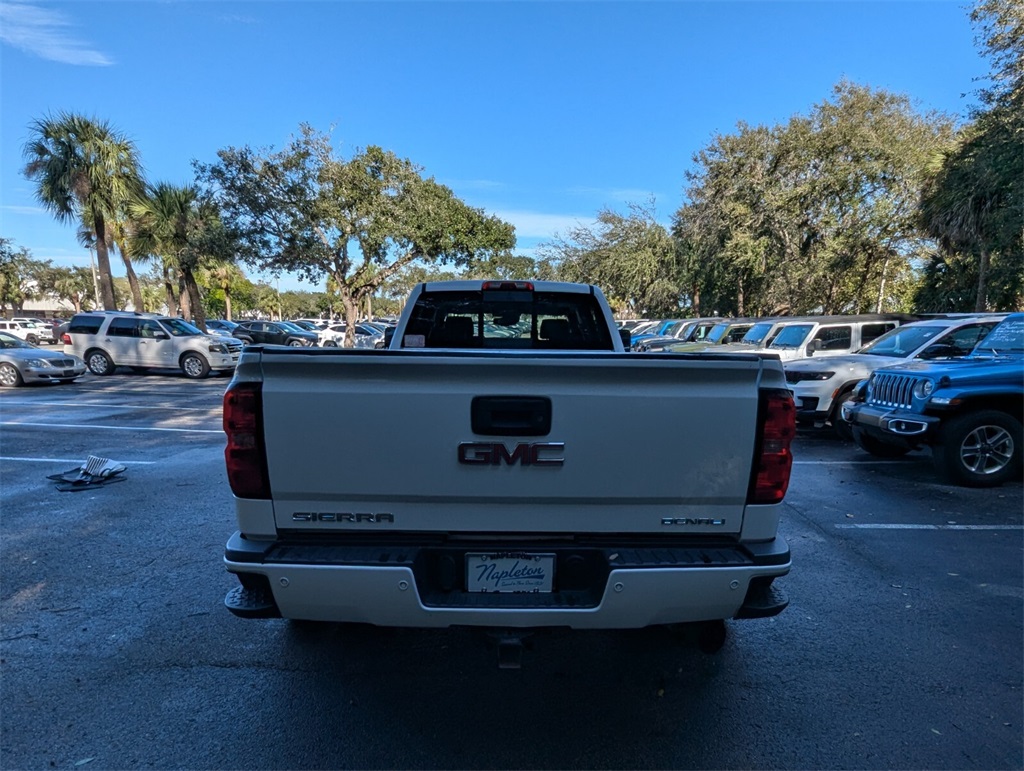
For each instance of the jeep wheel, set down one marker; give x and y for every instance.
(9, 376)
(330, 343)
(31, 339)
(979, 449)
(99, 363)
(195, 366)
(877, 447)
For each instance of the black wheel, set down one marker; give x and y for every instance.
(195, 366)
(295, 343)
(32, 339)
(330, 343)
(9, 376)
(979, 449)
(245, 340)
(99, 363)
(843, 429)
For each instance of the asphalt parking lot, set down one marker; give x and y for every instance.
(901, 648)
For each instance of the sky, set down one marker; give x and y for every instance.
(541, 113)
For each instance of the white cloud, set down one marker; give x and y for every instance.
(24, 209)
(44, 33)
(530, 224)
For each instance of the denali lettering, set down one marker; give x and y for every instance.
(524, 454)
(692, 521)
(341, 516)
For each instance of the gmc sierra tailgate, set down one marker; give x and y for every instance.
(468, 442)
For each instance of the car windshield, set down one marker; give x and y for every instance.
(289, 326)
(792, 336)
(901, 341)
(718, 332)
(180, 328)
(1006, 338)
(10, 341)
(757, 333)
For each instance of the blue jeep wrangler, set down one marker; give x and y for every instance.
(968, 410)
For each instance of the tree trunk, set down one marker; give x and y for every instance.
(172, 299)
(195, 300)
(227, 303)
(881, 286)
(351, 304)
(133, 282)
(981, 303)
(183, 298)
(103, 265)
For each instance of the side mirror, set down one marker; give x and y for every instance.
(389, 335)
(161, 336)
(627, 339)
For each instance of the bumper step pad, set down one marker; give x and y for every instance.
(763, 601)
(251, 603)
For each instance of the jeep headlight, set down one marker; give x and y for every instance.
(218, 348)
(818, 375)
(923, 389)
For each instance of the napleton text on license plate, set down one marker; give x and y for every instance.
(510, 572)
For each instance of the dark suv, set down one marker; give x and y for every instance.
(274, 333)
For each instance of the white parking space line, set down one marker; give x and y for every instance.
(78, 460)
(846, 462)
(31, 403)
(929, 527)
(92, 427)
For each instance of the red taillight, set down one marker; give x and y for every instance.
(65, 338)
(508, 286)
(245, 453)
(773, 461)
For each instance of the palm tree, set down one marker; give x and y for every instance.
(175, 224)
(84, 170)
(223, 275)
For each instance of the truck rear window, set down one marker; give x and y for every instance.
(508, 319)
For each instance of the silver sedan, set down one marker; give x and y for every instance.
(22, 362)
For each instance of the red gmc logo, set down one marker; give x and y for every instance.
(523, 454)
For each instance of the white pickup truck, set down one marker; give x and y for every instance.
(475, 474)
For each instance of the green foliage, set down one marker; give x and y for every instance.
(973, 205)
(358, 221)
(817, 215)
(631, 256)
(85, 172)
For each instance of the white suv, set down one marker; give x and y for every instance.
(821, 384)
(111, 339)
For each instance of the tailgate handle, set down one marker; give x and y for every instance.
(511, 415)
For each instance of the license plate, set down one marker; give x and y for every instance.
(510, 572)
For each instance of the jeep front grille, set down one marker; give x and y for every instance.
(892, 390)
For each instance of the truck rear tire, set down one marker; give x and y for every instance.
(979, 449)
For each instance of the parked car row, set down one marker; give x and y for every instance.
(966, 409)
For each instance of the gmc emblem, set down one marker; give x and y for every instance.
(523, 454)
